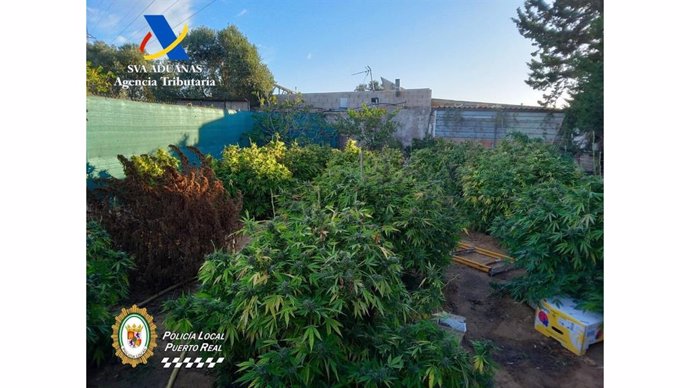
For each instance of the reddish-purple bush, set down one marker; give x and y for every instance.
(168, 222)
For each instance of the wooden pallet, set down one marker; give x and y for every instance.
(482, 259)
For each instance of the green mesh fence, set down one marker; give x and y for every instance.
(126, 127)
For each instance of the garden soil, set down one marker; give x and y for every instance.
(526, 359)
(152, 374)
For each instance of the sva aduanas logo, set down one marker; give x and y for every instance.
(174, 51)
(134, 336)
(166, 37)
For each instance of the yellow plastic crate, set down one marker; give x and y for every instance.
(573, 328)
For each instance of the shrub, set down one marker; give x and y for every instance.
(153, 166)
(349, 154)
(426, 141)
(257, 172)
(316, 299)
(106, 284)
(307, 162)
(170, 223)
(499, 175)
(444, 163)
(417, 217)
(535, 202)
(292, 120)
(372, 127)
(555, 232)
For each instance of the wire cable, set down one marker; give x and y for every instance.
(135, 19)
(192, 15)
(170, 6)
(162, 13)
(100, 17)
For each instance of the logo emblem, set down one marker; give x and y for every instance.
(543, 318)
(166, 37)
(134, 336)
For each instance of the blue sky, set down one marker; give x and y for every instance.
(465, 50)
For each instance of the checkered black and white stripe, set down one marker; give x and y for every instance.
(188, 363)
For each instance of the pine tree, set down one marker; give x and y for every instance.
(568, 63)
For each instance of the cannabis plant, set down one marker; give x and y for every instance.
(316, 299)
(502, 174)
(445, 163)
(152, 166)
(107, 283)
(556, 234)
(256, 172)
(168, 222)
(418, 218)
(307, 162)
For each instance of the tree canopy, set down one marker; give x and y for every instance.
(227, 57)
(568, 63)
(371, 86)
(107, 62)
(234, 62)
(568, 35)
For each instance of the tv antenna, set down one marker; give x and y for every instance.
(367, 72)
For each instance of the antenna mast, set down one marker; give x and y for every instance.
(367, 72)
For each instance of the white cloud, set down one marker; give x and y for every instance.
(309, 56)
(110, 22)
(242, 12)
(121, 40)
(122, 13)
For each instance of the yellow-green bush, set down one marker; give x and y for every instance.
(257, 172)
(151, 166)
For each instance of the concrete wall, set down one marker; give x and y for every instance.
(489, 126)
(239, 106)
(486, 123)
(414, 123)
(407, 98)
(413, 105)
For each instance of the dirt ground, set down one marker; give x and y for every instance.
(525, 357)
(152, 374)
